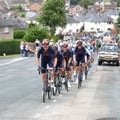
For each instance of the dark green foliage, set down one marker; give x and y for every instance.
(74, 2)
(85, 3)
(37, 32)
(19, 8)
(9, 47)
(53, 14)
(118, 21)
(118, 4)
(19, 34)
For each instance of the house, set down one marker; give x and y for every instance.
(11, 3)
(6, 29)
(74, 10)
(40, 2)
(35, 7)
(98, 23)
(31, 17)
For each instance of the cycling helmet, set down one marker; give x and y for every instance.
(45, 42)
(79, 42)
(55, 47)
(61, 44)
(65, 44)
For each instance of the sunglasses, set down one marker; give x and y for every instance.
(45, 44)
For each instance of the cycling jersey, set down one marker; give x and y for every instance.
(47, 57)
(67, 55)
(59, 60)
(80, 53)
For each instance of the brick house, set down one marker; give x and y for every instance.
(6, 29)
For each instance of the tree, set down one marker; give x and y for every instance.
(74, 2)
(53, 15)
(118, 23)
(118, 4)
(19, 34)
(36, 32)
(85, 3)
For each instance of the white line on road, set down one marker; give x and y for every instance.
(37, 115)
(54, 101)
(47, 107)
(60, 95)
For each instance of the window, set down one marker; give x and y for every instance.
(6, 30)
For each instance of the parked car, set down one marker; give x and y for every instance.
(108, 53)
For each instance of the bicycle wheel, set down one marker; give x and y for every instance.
(54, 91)
(49, 94)
(80, 80)
(86, 72)
(44, 96)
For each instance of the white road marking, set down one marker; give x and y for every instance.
(37, 115)
(54, 101)
(47, 107)
(60, 95)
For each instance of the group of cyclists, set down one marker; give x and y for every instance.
(65, 56)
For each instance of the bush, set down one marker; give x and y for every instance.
(36, 32)
(10, 46)
(19, 34)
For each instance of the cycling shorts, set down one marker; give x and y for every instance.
(44, 65)
(80, 61)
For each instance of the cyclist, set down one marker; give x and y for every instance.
(47, 58)
(68, 57)
(80, 56)
(60, 60)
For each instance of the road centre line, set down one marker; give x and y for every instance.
(54, 101)
(47, 107)
(37, 115)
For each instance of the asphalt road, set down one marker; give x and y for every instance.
(21, 99)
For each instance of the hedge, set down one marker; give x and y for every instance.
(10, 46)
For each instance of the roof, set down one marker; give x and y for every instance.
(19, 24)
(6, 23)
(40, 2)
(15, 2)
(111, 12)
(70, 19)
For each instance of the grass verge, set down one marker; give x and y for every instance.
(10, 56)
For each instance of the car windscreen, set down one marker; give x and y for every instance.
(109, 48)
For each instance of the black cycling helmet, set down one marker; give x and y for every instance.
(55, 47)
(79, 42)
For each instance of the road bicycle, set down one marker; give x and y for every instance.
(86, 71)
(48, 85)
(58, 80)
(80, 76)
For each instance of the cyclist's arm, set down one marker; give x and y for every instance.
(85, 57)
(38, 57)
(64, 63)
(38, 61)
(55, 62)
(74, 57)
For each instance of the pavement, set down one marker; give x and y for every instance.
(6, 61)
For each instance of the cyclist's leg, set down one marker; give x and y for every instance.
(77, 69)
(50, 64)
(83, 68)
(44, 80)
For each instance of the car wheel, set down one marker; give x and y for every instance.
(99, 62)
(117, 63)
